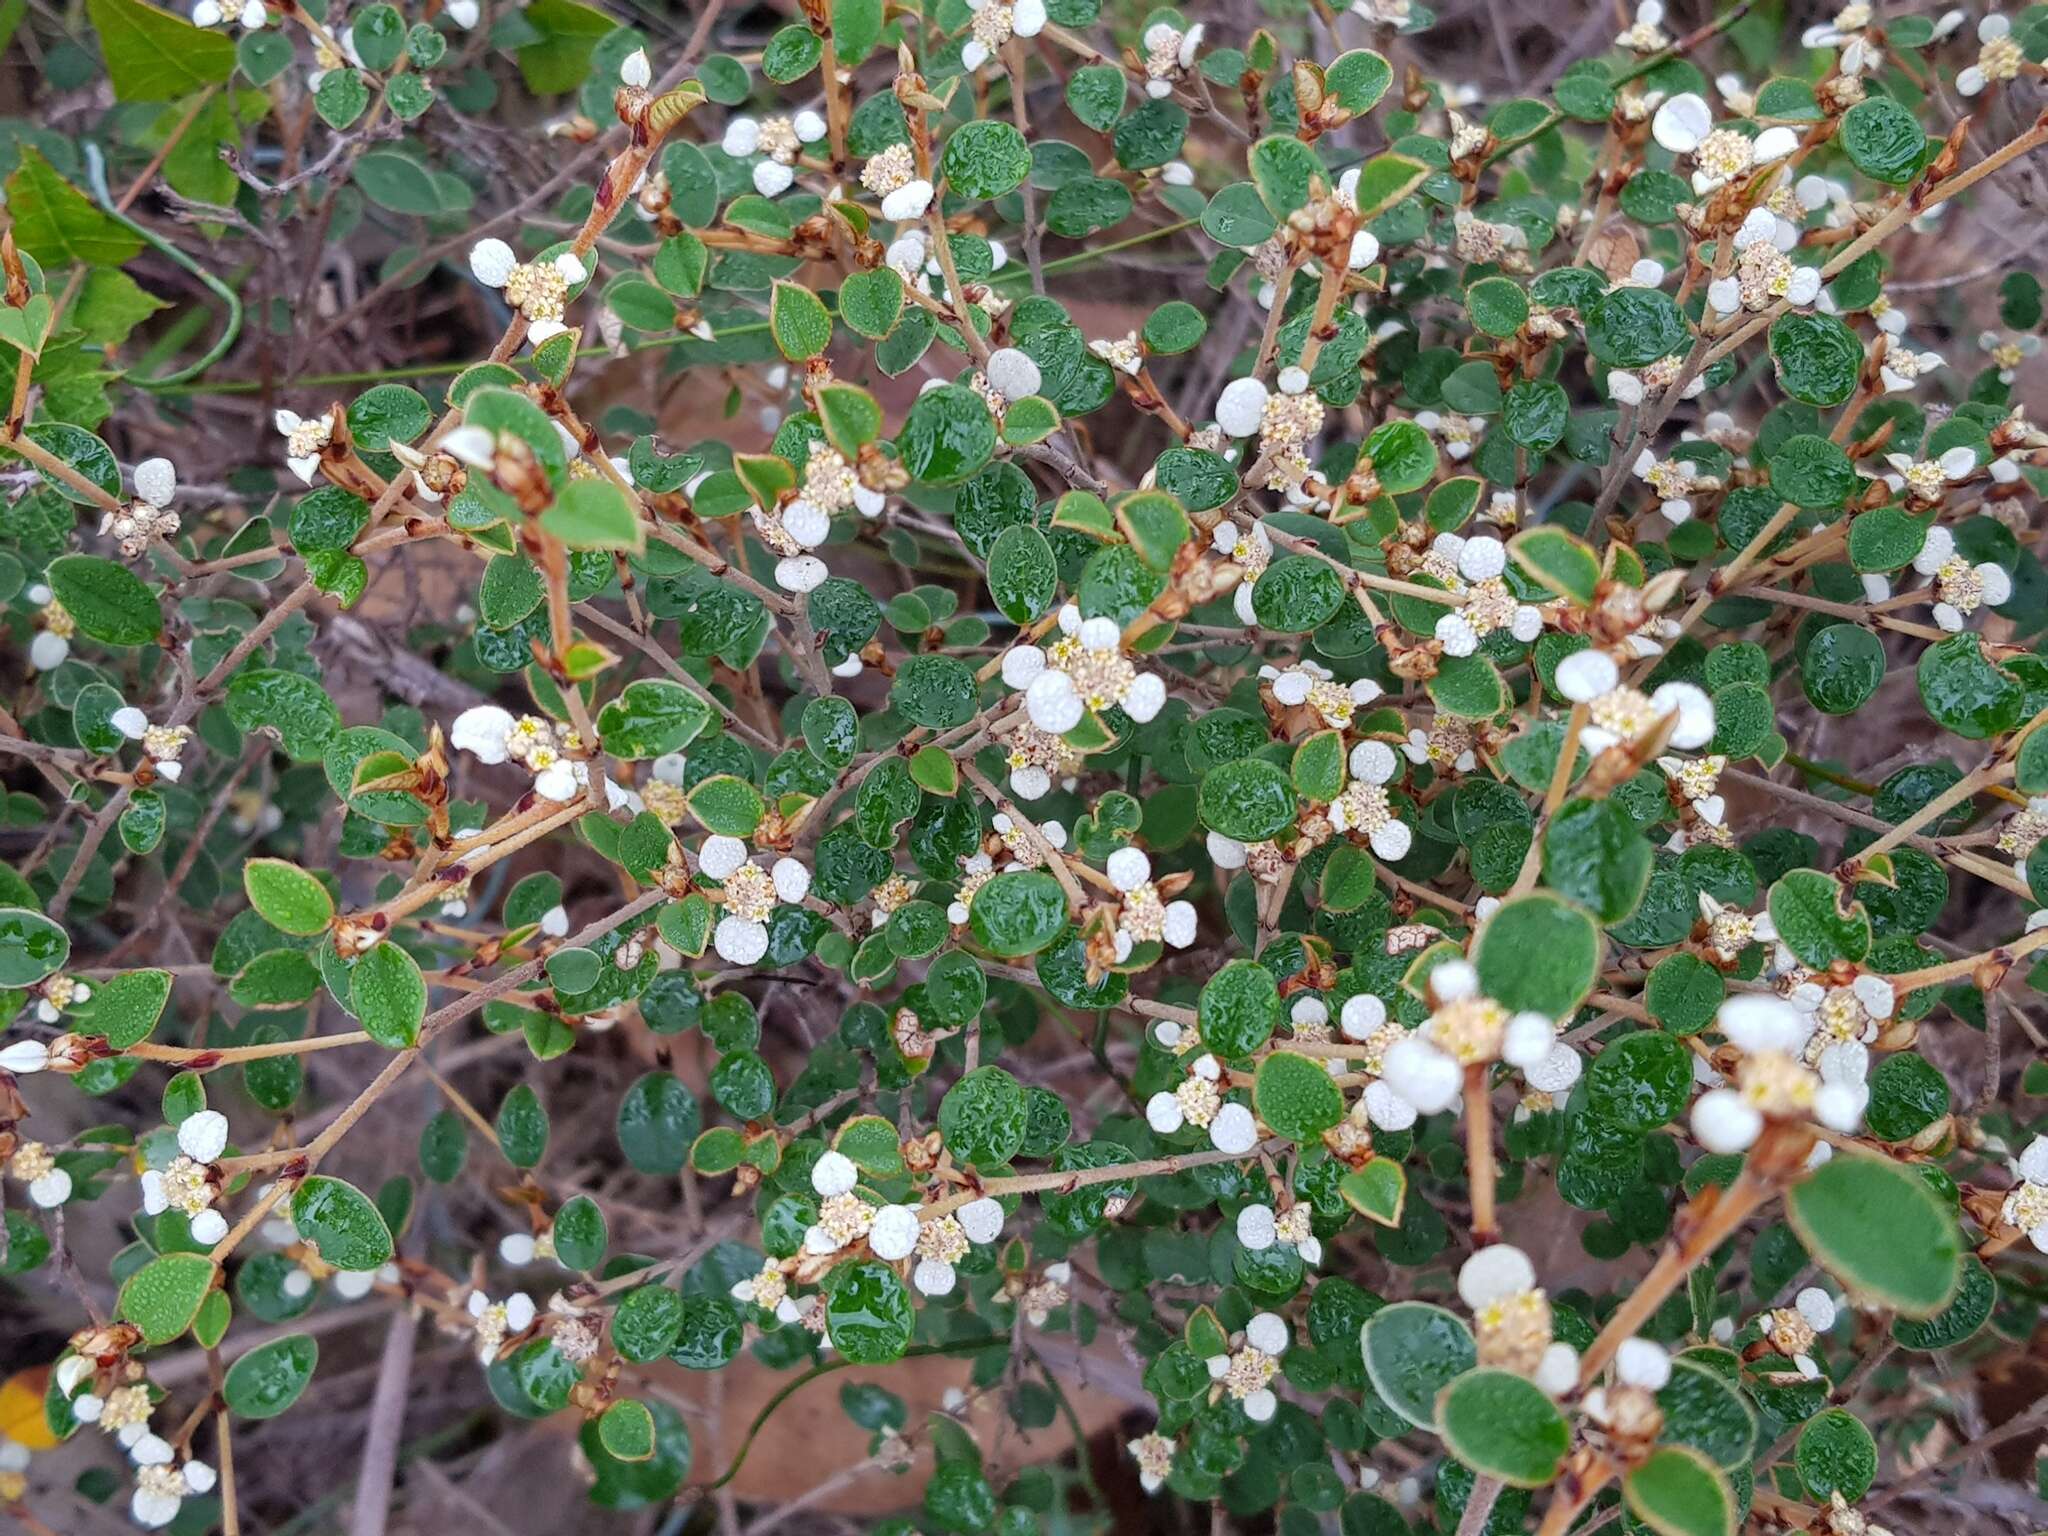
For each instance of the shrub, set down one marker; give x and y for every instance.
(1274, 848)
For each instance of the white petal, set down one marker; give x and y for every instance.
(1241, 407)
(1233, 1130)
(1724, 1121)
(981, 1220)
(893, 1235)
(772, 178)
(908, 201)
(636, 70)
(834, 1173)
(1584, 676)
(738, 941)
(1681, 122)
(203, 1137)
(1493, 1274)
(1268, 1333)
(156, 481)
(1012, 373)
(492, 261)
(1423, 1075)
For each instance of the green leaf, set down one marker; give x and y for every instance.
(1640, 1082)
(1018, 913)
(1633, 327)
(1816, 920)
(985, 158)
(1842, 668)
(1881, 1231)
(626, 1430)
(388, 995)
(343, 1223)
(792, 53)
(1539, 953)
(163, 1297)
(1378, 1191)
(1809, 471)
(650, 717)
(937, 692)
(869, 302)
(1594, 854)
(154, 56)
(1562, 562)
(1413, 1351)
(1836, 1454)
(728, 805)
(1296, 594)
(1964, 692)
(1469, 687)
(581, 1233)
(291, 704)
(594, 514)
(1818, 357)
(1883, 140)
(947, 435)
(1295, 1096)
(982, 1118)
(1249, 799)
(1504, 1426)
(268, 1379)
(125, 1008)
(657, 1121)
(341, 97)
(1383, 181)
(31, 946)
(868, 1312)
(1319, 766)
(559, 59)
(1497, 305)
(1357, 80)
(1678, 1492)
(797, 317)
(287, 897)
(1684, 993)
(1023, 577)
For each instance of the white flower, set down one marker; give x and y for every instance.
(636, 71)
(537, 290)
(1641, 1363)
(304, 441)
(908, 201)
(1754, 1022)
(160, 1489)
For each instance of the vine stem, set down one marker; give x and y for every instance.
(2001, 958)
(1479, 1163)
